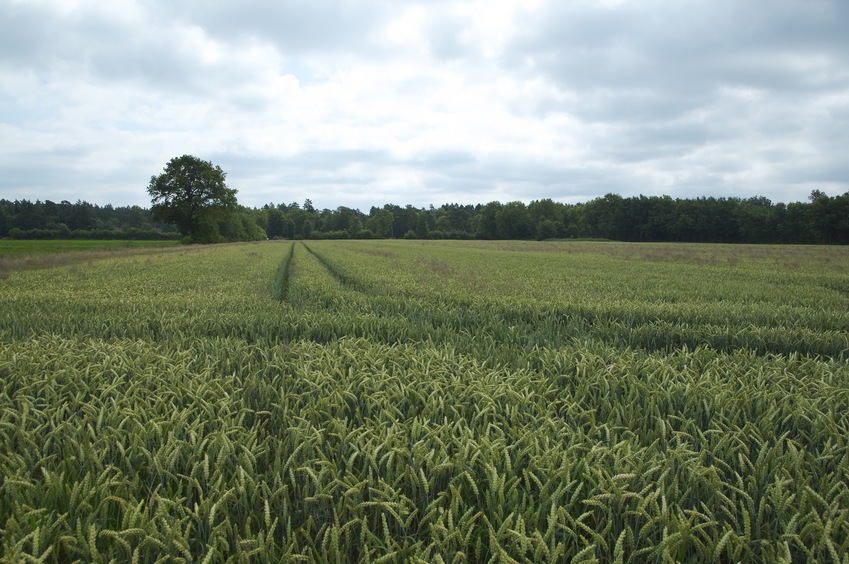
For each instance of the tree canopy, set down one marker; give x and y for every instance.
(192, 194)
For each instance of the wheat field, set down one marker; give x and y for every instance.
(417, 401)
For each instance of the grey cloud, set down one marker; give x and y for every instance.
(699, 94)
(340, 158)
(830, 172)
(305, 175)
(477, 180)
(56, 176)
(654, 141)
(319, 26)
(26, 33)
(449, 176)
(633, 105)
(87, 42)
(678, 54)
(815, 170)
(445, 37)
(447, 159)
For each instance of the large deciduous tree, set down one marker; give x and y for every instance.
(192, 194)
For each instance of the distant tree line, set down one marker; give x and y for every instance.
(24, 219)
(821, 220)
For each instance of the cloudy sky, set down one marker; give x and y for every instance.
(367, 102)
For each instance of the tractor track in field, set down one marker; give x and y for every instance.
(343, 278)
(283, 277)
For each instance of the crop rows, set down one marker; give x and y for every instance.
(393, 401)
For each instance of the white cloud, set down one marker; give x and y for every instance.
(367, 102)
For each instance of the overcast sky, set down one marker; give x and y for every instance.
(368, 102)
